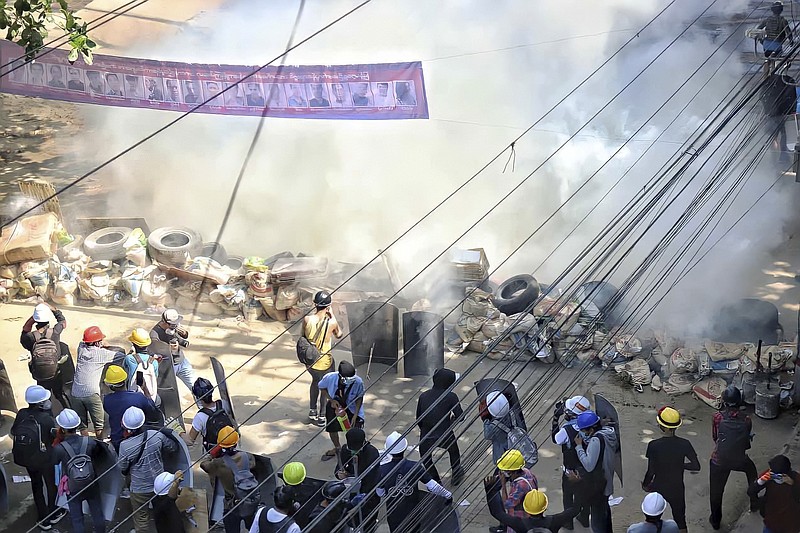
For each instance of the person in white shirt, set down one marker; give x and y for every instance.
(278, 517)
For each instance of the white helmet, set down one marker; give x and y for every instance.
(654, 504)
(497, 404)
(577, 405)
(42, 313)
(395, 443)
(36, 394)
(68, 419)
(172, 317)
(162, 483)
(133, 418)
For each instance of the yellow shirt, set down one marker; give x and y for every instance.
(323, 345)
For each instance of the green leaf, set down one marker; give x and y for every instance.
(63, 4)
(73, 56)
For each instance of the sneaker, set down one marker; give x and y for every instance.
(59, 514)
(313, 415)
(125, 494)
(45, 526)
(321, 422)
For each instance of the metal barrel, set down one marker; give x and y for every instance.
(767, 401)
(423, 343)
(380, 334)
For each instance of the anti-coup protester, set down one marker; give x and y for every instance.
(318, 328)
(92, 358)
(169, 330)
(572, 484)
(355, 459)
(76, 453)
(439, 423)
(731, 431)
(596, 449)
(120, 399)
(33, 432)
(42, 339)
(783, 496)
(667, 458)
(343, 393)
(210, 419)
(141, 456)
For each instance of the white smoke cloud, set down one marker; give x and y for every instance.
(347, 188)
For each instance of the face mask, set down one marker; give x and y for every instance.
(46, 405)
(170, 331)
(348, 381)
(585, 434)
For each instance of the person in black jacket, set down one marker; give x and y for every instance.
(330, 523)
(47, 321)
(439, 423)
(354, 459)
(37, 421)
(564, 435)
(534, 504)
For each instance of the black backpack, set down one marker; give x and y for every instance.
(733, 438)
(29, 449)
(245, 487)
(216, 421)
(44, 356)
(80, 470)
(308, 350)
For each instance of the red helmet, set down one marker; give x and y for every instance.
(93, 334)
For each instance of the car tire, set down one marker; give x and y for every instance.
(173, 245)
(234, 262)
(516, 294)
(107, 243)
(215, 251)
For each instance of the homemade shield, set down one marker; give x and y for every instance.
(378, 335)
(7, 402)
(180, 460)
(193, 506)
(222, 387)
(3, 491)
(441, 517)
(167, 383)
(423, 343)
(604, 409)
(485, 386)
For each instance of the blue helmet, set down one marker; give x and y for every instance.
(587, 420)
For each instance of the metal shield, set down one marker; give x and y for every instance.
(222, 387)
(604, 409)
(377, 333)
(423, 343)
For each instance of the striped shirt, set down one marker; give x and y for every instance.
(151, 464)
(89, 369)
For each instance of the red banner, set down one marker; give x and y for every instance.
(357, 92)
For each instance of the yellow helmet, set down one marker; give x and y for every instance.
(511, 460)
(140, 337)
(294, 473)
(115, 375)
(227, 437)
(669, 418)
(535, 502)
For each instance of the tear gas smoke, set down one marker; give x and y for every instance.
(347, 188)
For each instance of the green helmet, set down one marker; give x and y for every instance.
(294, 473)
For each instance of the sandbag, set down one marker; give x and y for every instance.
(67, 299)
(683, 361)
(136, 247)
(491, 328)
(64, 288)
(8, 271)
(680, 383)
(781, 355)
(709, 391)
(628, 345)
(727, 351)
(286, 297)
(477, 304)
(636, 372)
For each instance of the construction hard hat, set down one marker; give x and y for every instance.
(294, 473)
(395, 443)
(133, 418)
(93, 334)
(654, 504)
(162, 483)
(202, 389)
(68, 419)
(140, 337)
(323, 299)
(587, 420)
(227, 437)
(36, 394)
(333, 489)
(43, 313)
(497, 404)
(115, 375)
(511, 460)
(669, 418)
(171, 317)
(577, 405)
(535, 502)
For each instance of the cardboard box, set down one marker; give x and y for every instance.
(30, 238)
